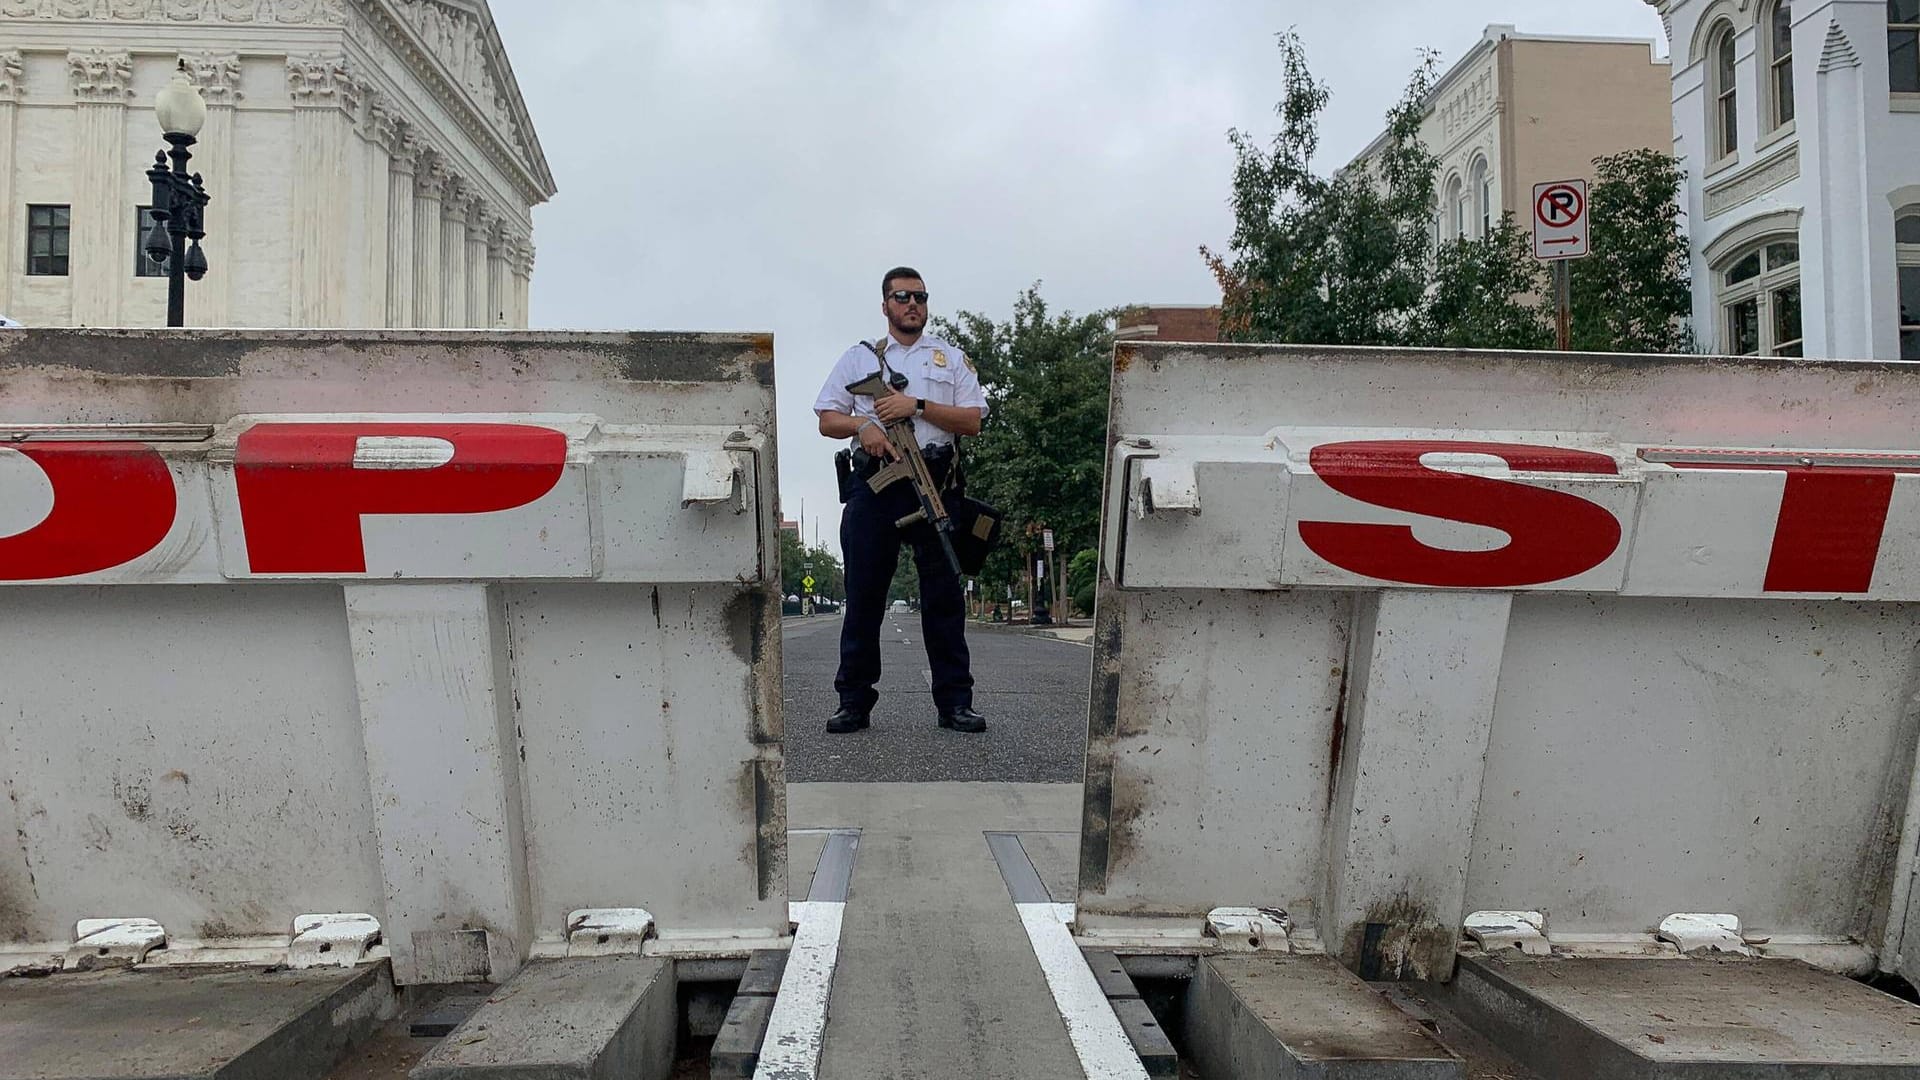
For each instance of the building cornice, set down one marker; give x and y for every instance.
(270, 12)
(451, 46)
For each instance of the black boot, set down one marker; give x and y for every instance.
(847, 720)
(963, 719)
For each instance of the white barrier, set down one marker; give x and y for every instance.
(470, 633)
(1388, 638)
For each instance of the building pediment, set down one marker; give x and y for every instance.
(460, 38)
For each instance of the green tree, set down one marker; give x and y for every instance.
(828, 578)
(1041, 455)
(1344, 260)
(1350, 260)
(793, 555)
(1635, 292)
(1484, 295)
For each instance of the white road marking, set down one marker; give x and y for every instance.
(798, 1027)
(1098, 1039)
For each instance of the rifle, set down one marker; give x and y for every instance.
(910, 466)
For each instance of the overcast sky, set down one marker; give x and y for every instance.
(757, 165)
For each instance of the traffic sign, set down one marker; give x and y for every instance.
(807, 583)
(1560, 220)
(1046, 539)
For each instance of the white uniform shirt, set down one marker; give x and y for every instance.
(935, 371)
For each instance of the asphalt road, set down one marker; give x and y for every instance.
(1032, 690)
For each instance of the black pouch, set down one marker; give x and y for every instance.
(976, 529)
(843, 472)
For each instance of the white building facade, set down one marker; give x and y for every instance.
(371, 162)
(1798, 125)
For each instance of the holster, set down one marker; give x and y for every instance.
(844, 473)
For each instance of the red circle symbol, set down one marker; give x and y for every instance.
(1560, 206)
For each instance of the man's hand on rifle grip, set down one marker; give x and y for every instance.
(873, 439)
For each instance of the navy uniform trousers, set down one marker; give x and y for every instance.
(870, 542)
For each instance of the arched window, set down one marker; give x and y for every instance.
(1906, 241)
(1780, 65)
(1903, 45)
(1724, 125)
(1483, 195)
(1456, 210)
(1760, 299)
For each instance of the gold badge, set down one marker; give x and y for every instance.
(939, 358)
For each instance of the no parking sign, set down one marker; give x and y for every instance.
(1560, 220)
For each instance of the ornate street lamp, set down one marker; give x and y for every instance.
(179, 200)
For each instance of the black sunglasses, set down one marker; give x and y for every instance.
(901, 296)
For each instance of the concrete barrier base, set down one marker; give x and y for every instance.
(224, 1023)
(1688, 1019)
(1306, 1017)
(587, 1019)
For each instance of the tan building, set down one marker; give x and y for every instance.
(371, 162)
(1169, 322)
(1522, 109)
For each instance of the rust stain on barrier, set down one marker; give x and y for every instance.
(1398, 940)
(770, 817)
(1337, 741)
(1096, 832)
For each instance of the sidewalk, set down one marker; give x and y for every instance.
(1079, 635)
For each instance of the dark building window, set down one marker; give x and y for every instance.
(49, 230)
(1903, 45)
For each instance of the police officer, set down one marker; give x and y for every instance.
(943, 397)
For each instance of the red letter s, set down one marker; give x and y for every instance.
(1554, 535)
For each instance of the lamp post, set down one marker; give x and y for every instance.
(179, 200)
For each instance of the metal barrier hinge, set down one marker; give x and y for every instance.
(332, 940)
(1494, 931)
(113, 942)
(712, 478)
(608, 931)
(1245, 929)
(1167, 486)
(1699, 932)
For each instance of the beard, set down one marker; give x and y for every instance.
(908, 324)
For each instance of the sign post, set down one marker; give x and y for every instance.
(1561, 233)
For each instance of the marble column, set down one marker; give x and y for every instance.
(523, 283)
(101, 249)
(499, 277)
(210, 300)
(12, 246)
(480, 223)
(377, 132)
(453, 256)
(403, 153)
(429, 186)
(325, 97)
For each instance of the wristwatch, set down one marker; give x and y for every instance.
(919, 406)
